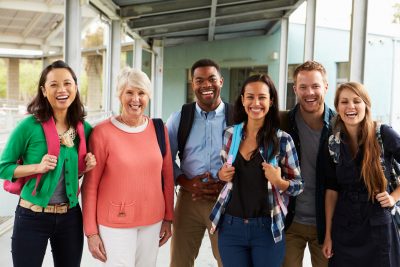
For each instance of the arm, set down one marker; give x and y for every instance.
(287, 177)
(391, 144)
(194, 185)
(168, 181)
(90, 186)
(330, 204)
(29, 145)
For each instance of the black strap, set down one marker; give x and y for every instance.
(159, 125)
(185, 125)
(186, 122)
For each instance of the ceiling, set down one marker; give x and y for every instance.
(179, 21)
(39, 24)
(36, 24)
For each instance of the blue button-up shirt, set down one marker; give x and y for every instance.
(203, 145)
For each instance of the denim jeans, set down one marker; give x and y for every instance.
(249, 243)
(32, 230)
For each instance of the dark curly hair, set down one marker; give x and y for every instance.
(205, 62)
(40, 106)
(267, 133)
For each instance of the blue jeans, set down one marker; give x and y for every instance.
(249, 243)
(32, 230)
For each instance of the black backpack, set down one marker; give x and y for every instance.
(159, 125)
(186, 122)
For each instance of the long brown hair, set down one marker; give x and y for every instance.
(40, 106)
(371, 169)
(266, 134)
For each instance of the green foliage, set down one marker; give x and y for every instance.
(3, 78)
(396, 15)
(83, 87)
(29, 72)
(93, 39)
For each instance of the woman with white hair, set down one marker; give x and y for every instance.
(128, 197)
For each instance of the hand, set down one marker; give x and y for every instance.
(90, 160)
(96, 248)
(48, 163)
(201, 190)
(327, 248)
(385, 199)
(271, 173)
(165, 232)
(226, 172)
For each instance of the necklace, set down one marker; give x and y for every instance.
(67, 138)
(141, 121)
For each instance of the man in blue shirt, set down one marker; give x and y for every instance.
(199, 164)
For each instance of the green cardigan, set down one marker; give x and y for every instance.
(27, 141)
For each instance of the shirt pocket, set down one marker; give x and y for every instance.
(121, 213)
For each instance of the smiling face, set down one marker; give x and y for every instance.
(310, 89)
(351, 108)
(59, 89)
(256, 100)
(134, 102)
(206, 85)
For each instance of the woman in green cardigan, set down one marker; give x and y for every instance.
(49, 209)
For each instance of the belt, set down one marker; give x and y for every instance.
(56, 208)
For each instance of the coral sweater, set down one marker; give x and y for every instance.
(125, 188)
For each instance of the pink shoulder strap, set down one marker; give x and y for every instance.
(53, 145)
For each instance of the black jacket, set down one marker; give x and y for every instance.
(290, 124)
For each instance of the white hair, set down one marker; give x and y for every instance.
(129, 77)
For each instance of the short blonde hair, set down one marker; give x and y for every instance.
(129, 77)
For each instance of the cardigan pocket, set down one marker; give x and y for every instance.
(121, 213)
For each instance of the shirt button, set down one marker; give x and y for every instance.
(66, 171)
(70, 195)
(66, 160)
(68, 183)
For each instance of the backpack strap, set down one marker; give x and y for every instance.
(185, 125)
(228, 114)
(186, 122)
(82, 149)
(159, 126)
(53, 144)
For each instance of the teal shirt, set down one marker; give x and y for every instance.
(27, 141)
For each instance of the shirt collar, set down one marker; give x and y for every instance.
(217, 111)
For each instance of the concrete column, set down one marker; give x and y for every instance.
(358, 40)
(283, 63)
(158, 72)
(72, 35)
(137, 56)
(309, 38)
(13, 79)
(94, 91)
(115, 61)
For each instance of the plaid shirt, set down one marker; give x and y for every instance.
(290, 169)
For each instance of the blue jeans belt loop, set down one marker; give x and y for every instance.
(255, 221)
(55, 208)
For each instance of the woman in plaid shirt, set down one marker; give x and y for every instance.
(250, 210)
